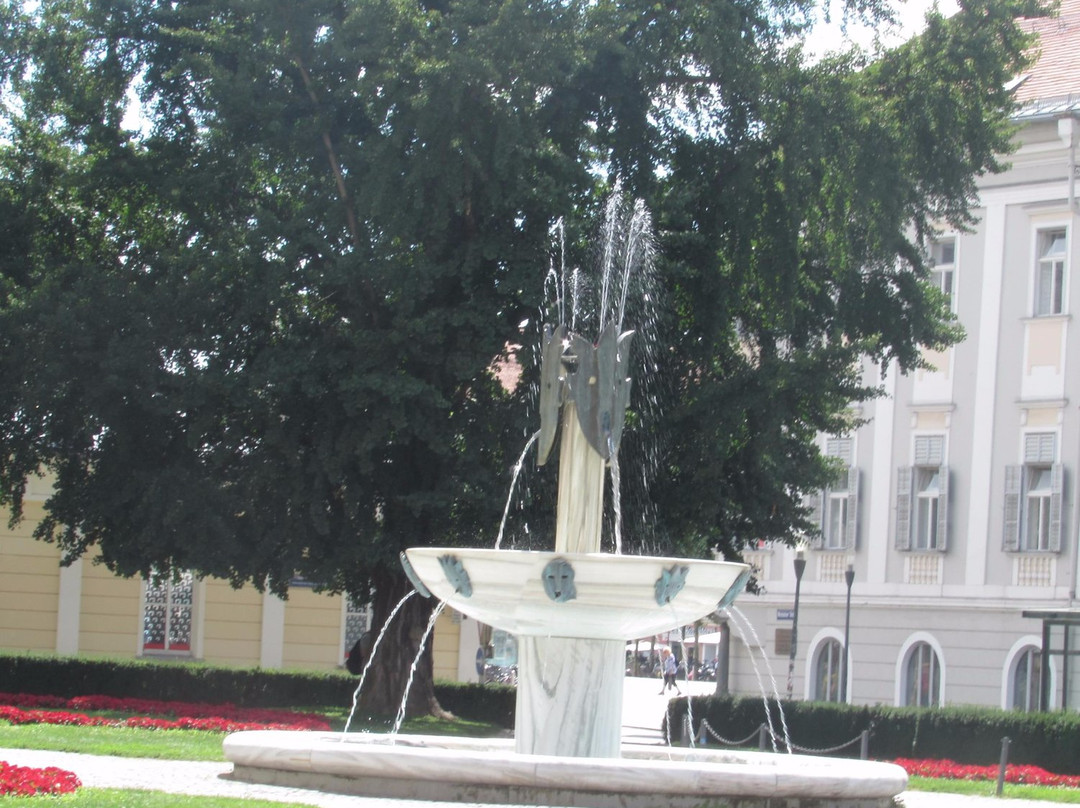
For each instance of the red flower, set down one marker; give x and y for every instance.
(26, 782)
(183, 715)
(948, 770)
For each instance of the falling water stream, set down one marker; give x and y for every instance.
(742, 624)
(371, 656)
(412, 670)
(513, 485)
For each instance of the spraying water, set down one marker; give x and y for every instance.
(742, 625)
(412, 670)
(371, 656)
(513, 484)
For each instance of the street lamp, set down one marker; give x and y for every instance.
(800, 567)
(849, 577)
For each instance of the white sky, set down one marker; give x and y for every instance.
(911, 14)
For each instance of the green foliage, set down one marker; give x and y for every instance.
(245, 687)
(961, 734)
(257, 260)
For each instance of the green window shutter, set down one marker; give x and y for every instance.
(943, 509)
(1014, 490)
(1057, 486)
(904, 477)
(851, 528)
(815, 501)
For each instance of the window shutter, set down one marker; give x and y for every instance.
(904, 476)
(840, 448)
(850, 529)
(1057, 490)
(1014, 483)
(1039, 447)
(943, 509)
(929, 450)
(815, 501)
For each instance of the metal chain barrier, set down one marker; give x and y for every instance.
(828, 750)
(862, 738)
(716, 736)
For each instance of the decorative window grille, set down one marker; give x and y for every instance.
(167, 614)
(357, 622)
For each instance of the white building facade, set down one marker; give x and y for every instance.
(958, 511)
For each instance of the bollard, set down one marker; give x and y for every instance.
(761, 738)
(864, 745)
(1004, 762)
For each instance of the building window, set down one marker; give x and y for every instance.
(167, 614)
(357, 622)
(835, 508)
(922, 677)
(827, 671)
(922, 497)
(1026, 684)
(943, 267)
(1050, 273)
(1033, 497)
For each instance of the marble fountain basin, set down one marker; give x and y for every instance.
(489, 771)
(602, 596)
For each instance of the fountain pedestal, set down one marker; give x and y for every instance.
(569, 696)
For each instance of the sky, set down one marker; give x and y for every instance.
(911, 14)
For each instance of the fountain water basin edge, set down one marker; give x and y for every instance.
(489, 771)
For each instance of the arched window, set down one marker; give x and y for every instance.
(827, 671)
(922, 677)
(1026, 684)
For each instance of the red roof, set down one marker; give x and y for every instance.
(1056, 74)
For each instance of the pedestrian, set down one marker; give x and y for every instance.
(670, 668)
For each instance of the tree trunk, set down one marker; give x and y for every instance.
(384, 688)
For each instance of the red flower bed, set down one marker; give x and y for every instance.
(948, 770)
(186, 715)
(23, 781)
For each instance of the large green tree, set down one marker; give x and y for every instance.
(258, 260)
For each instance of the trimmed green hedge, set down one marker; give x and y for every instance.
(962, 734)
(246, 687)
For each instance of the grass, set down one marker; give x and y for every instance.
(206, 746)
(186, 744)
(121, 798)
(168, 744)
(985, 788)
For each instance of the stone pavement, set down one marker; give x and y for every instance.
(643, 708)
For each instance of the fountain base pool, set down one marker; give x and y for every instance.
(489, 771)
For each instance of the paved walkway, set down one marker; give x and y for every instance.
(643, 707)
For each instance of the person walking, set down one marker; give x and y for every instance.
(670, 668)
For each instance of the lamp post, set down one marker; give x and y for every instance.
(800, 567)
(849, 577)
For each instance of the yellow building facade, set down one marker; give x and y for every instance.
(85, 610)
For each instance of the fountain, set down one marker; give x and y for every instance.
(572, 611)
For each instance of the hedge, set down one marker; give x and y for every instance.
(961, 734)
(244, 687)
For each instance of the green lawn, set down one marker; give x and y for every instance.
(206, 746)
(984, 788)
(117, 798)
